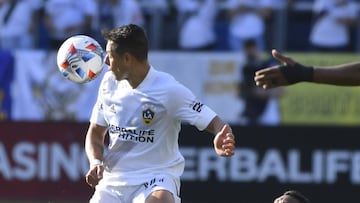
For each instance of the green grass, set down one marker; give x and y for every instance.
(308, 103)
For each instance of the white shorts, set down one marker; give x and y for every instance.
(136, 193)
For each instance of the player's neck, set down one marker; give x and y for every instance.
(138, 74)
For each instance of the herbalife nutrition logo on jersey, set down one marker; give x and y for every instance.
(132, 134)
(148, 116)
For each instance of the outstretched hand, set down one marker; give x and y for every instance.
(273, 76)
(282, 59)
(224, 142)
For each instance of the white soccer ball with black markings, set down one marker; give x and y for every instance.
(80, 58)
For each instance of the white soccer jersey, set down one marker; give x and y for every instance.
(144, 125)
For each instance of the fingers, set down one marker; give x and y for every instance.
(94, 175)
(265, 83)
(268, 78)
(226, 129)
(281, 58)
(99, 171)
(228, 145)
(277, 200)
(224, 142)
(91, 180)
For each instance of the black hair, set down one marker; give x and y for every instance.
(297, 195)
(249, 43)
(129, 38)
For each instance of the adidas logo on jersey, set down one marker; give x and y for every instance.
(112, 108)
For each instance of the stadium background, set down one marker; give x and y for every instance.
(314, 150)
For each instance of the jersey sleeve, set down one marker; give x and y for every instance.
(97, 114)
(188, 108)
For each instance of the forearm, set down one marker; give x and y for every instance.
(344, 74)
(94, 151)
(224, 140)
(94, 143)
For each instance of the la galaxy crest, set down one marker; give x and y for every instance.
(148, 116)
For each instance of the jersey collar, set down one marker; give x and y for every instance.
(148, 79)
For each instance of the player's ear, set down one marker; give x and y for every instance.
(106, 60)
(127, 58)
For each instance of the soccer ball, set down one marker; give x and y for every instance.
(80, 58)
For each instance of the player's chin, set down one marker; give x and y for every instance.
(116, 75)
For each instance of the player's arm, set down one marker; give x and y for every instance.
(94, 142)
(292, 72)
(345, 74)
(224, 140)
(94, 147)
(187, 108)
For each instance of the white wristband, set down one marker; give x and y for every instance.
(96, 162)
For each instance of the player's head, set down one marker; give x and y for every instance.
(292, 196)
(250, 48)
(130, 39)
(126, 48)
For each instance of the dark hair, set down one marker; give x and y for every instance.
(297, 195)
(249, 43)
(129, 38)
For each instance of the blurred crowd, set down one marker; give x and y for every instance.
(176, 24)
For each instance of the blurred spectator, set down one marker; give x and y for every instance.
(37, 6)
(333, 19)
(6, 79)
(105, 14)
(155, 13)
(16, 24)
(196, 23)
(126, 12)
(260, 106)
(151, 6)
(274, 13)
(64, 18)
(103, 20)
(246, 22)
(269, 7)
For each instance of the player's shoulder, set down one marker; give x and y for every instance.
(163, 75)
(165, 79)
(109, 76)
(108, 80)
(167, 82)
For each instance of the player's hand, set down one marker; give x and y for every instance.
(94, 175)
(278, 200)
(224, 142)
(272, 76)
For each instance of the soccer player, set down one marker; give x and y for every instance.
(142, 110)
(291, 72)
(292, 196)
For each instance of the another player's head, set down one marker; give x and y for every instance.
(292, 196)
(126, 46)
